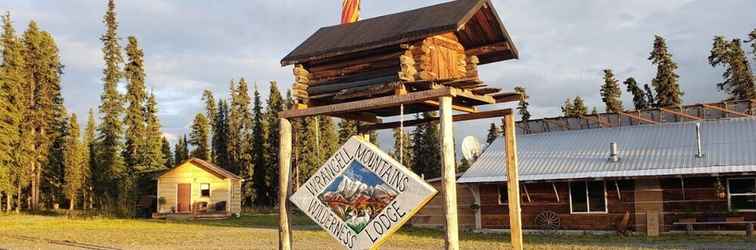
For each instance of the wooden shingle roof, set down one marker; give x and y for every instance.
(475, 22)
(212, 168)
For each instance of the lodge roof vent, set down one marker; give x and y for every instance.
(613, 152)
(699, 146)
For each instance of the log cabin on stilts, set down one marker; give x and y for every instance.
(421, 60)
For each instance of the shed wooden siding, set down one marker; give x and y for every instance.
(432, 215)
(194, 175)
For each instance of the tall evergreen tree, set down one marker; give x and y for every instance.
(275, 105)
(240, 131)
(639, 96)
(666, 84)
(135, 150)
(402, 141)
(610, 93)
(329, 137)
(493, 133)
(154, 156)
(181, 151)
(198, 137)
(307, 147)
(522, 105)
(427, 149)
(220, 141)
(89, 152)
(347, 129)
(738, 78)
(211, 114)
(15, 129)
(259, 157)
(752, 40)
(650, 98)
(43, 69)
(75, 161)
(111, 166)
(167, 154)
(578, 107)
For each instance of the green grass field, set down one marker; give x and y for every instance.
(260, 232)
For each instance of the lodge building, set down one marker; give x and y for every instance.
(656, 177)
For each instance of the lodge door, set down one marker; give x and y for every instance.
(184, 195)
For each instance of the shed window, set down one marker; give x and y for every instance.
(205, 189)
(742, 193)
(503, 194)
(588, 197)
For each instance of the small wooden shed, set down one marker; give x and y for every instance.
(196, 186)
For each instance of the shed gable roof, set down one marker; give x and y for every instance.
(407, 26)
(209, 167)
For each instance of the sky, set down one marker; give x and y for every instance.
(192, 45)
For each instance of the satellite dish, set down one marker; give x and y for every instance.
(470, 148)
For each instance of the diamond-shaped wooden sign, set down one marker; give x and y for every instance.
(361, 195)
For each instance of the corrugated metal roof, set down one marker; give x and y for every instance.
(729, 145)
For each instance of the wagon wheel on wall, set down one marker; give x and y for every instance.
(548, 221)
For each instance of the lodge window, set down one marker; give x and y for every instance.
(205, 189)
(588, 197)
(742, 194)
(503, 194)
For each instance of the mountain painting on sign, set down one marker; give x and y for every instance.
(357, 196)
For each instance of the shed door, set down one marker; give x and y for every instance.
(184, 197)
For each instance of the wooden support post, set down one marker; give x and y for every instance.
(448, 175)
(513, 182)
(284, 187)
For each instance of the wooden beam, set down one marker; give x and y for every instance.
(708, 106)
(284, 185)
(359, 116)
(448, 175)
(454, 107)
(507, 97)
(469, 95)
(602, 124)
(513, 182)
(692, 117)
(487, 49)
(636, 118)
(369, 104)
(456, 118)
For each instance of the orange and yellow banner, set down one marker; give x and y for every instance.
(350, 11)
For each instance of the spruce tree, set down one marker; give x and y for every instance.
(135, 150)
(610, 93)
(240, 131)
(220, 139)
(427, 149)
(48, 118)
(493, 133)
(179, 153)
(275, 105)
(259, 157)
(211, 113)
(650, 98)
(167, 154)
(568, 108)
(578, 107)
(666, 81)
(347, 129)
(639, 96)
(90, 160)
(752, 40)
(154, 158)
(111, 166)
(198, 137)
(738, 78)
(15, 162)
(522, 105)
(329, 137)
(402, 141)
(75, 161)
